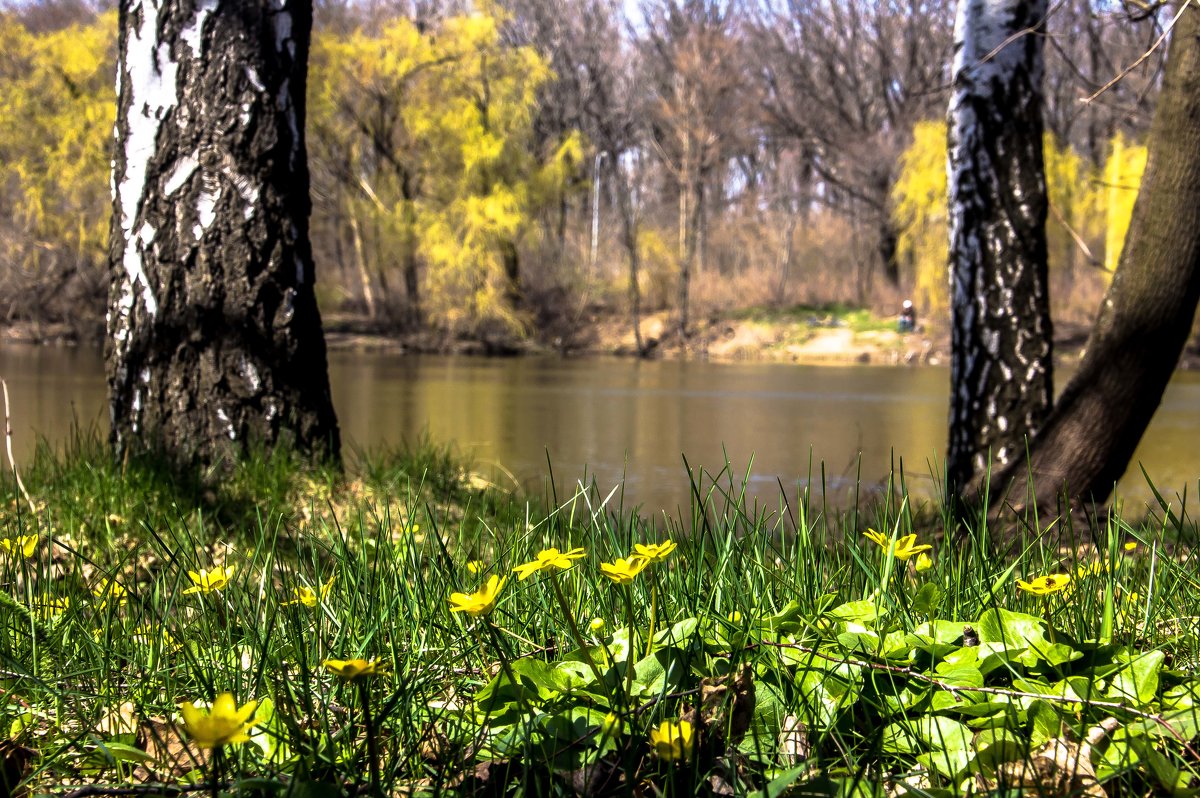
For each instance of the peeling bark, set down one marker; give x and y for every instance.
(214, 338)
(1001, 380)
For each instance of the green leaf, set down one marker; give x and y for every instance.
(679, 635)
(1137, 681)
(927, 599)
(1012, 629)
(863, 612)
(828, 691)
(765, 724)
(780, 784)
(937, 638)
(994, 746)
(1170, 777)
(1043, 721)
(926, 733)
(661, 672)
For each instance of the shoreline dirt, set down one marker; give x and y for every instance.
(815, 340)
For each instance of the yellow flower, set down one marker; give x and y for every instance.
(107, 589)
(1131, 545)
(654, 552)
(611, 725)
(878, 537)
(224, 724)
(624, 571)
(354, 669)
(206, 581)
(924, 562)
(548, 558)
(482, 601)
(672, 741)
(903, 549)
(25, 544)
(597, 625)
(735, 617)
(1045, 585)
(476, 566)
(48, 607)
(308, 596)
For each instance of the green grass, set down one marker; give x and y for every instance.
(837, 314)
(809, 658)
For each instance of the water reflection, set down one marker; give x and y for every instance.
(607, 418)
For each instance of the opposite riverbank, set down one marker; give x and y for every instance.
(801, 335)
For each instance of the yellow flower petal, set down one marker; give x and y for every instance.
(222, 724)
(624, 570)
(482, 601)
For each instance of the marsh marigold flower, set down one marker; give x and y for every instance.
(206, 581)
(548, 558)
(924, 562)
(597, 625)
(672, 741)
(223, 724)
(482, 601)
(25, 545)
(476, 566)
(902, 549)
(654, 552)
(1045, 585)
(308, 596)
(624, 570)
(354, 669)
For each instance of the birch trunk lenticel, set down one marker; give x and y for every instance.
(1000, 367)
(214, 338)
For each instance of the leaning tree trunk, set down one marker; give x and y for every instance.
(1000, 367)
(1146, 316)
(214, 339)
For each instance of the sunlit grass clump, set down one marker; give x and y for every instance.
(397, 632)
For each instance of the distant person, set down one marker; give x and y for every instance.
(908, 318)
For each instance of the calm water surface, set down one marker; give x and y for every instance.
(599, 419)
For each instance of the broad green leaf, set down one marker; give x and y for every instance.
(1137, 681)
(661, 672)
(1013, 632)
(938, 638)
(679, 635)
(863, 612)
(927, 599)
(829, 691)
(1044, 722)
(993, 746)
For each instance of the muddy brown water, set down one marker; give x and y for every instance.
(605, 420)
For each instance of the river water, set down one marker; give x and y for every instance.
(602, 419)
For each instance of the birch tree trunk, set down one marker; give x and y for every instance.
(214, 339)
(1000, 368)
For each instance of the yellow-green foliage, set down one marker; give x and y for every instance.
(56, 120)
(461, 182)
(919, 210)
(1097, 211)
(659, 269)
(1122, 177)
